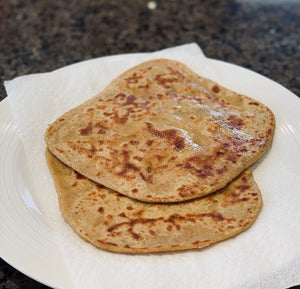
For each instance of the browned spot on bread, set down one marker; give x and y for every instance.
(215, 89)
(130, 101)
(129, 166)
(238, 195)
(152, 232)
(164, 79)
(173, 218)
(269, 132)
(148, 178)
(138, 214)
(193, 217)
(134, 78)
(86, 131)
(169, 228)
(232, 158)
(101, 210)
(138, 158)
(102, 128)
(99, 186)
(253, 103)
(78, 175)
(206, 171)
(179, 143)
(214, 215)
(183, 191)
(92, 149)
(198, 166)
(107, 243)
(120, 95)
(149, 142)
(120, 119)
(102, 196)
(134, 142)
(134, 190)
(171, 135)
(242, 150)
(235, 121)
(60, 151)
(243, 188)
(123, 215)
(131, 224)
(133, 234)
(118, 196)
(115, 234)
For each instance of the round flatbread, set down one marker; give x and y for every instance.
(161, 133)
(114, 222)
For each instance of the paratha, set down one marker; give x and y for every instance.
(161, 133)
(114, 222)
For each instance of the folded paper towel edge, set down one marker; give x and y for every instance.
(192, 47)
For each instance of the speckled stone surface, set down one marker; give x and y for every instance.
(40, 36)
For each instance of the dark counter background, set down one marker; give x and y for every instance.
(40, 36)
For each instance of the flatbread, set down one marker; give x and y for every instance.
(161, 133)
(114, 222)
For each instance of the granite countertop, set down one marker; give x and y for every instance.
(40, 36)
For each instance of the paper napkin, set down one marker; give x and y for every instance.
(266, 256)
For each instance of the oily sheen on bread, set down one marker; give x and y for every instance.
(161, 133)
(114, 222)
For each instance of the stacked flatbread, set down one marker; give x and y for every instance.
(158, 161)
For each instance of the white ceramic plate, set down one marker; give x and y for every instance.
(26, 240)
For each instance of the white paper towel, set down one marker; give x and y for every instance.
(265, 256)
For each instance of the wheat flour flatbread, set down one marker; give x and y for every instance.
(161, 133)
(114, 222)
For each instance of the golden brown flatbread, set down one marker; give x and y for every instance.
(161, 133)
(114, 222)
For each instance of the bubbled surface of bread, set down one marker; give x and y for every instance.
(161, 133)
